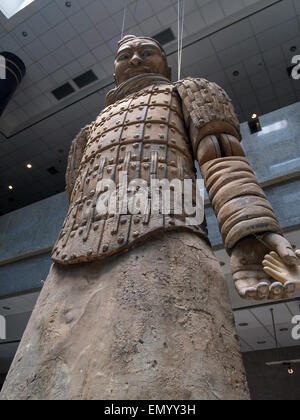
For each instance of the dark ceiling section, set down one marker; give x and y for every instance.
(70, 48)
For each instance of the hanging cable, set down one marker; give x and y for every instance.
(124, 18)
(180, 35)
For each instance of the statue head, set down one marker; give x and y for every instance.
(140, 55)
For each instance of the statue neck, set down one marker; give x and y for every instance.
(133, 85)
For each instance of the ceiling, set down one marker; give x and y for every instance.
(220, 36)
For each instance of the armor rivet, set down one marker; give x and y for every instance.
(113, 140)
(161, 136)
(109, 170)
(137, 220)
(92, 193)
(147, 146)
(137, 136)
(173, 163)
(136, 234)
(134, 157)
(127, 121)
(123, 222)
(121, 239)
(64, 256)
(136, 145)
(105, 248)
(72, 234)
(162, 147)
(80, 231)
(96, 167)
(95, 174)
(87, 180)
(89, 253)
(147, 137)
(123, 138)
(138, 125)
(123, 148)
(133, 166)
(146, 165)
(172, 222)
(149, 118)
(76, 227)
(149, 125)
(111, 161)
(113, 232)
(161, 166)
(146, 159)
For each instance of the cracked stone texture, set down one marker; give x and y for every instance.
(152, 323)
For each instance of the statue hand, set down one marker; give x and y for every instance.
(251, 281)
(275, 267)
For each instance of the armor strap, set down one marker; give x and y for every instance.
(239, 202)
(75, 157)
(208, 110)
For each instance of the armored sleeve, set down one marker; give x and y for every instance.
(239, 202)
(75, 157)
(207, 109)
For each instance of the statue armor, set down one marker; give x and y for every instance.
(143, 132)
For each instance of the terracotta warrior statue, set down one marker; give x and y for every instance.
(135, 305)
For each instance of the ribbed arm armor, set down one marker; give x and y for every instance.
(239, 202)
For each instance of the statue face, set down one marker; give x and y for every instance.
(139, 57)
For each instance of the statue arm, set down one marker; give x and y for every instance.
(75, 157)
(246, 219)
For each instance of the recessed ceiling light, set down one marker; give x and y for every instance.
(68, 4)
(10, 187)
(222, 263)
(254, 116)
(236, 73)
(25, 34)
(29, 165)
(293, 48)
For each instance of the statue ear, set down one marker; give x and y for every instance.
(169, 73)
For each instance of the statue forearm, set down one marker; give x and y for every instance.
(239, 202)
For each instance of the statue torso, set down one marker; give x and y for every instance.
(144, 136)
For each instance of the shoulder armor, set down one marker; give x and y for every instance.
(75, 155)
(208, 108)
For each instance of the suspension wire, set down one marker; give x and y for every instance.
(274, 327)
(124, 18)
(180, 35)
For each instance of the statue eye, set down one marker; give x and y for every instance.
(124, 57)
(147, 53)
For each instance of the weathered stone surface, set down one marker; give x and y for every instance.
(153, 323)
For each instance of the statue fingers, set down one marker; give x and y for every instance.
(275, 274)
(289, 289)
(263, 289)
(276, 291)
(274, 259)
(274, 266)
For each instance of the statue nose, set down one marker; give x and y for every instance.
(136, 60)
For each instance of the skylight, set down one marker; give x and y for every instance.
(10, 7)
